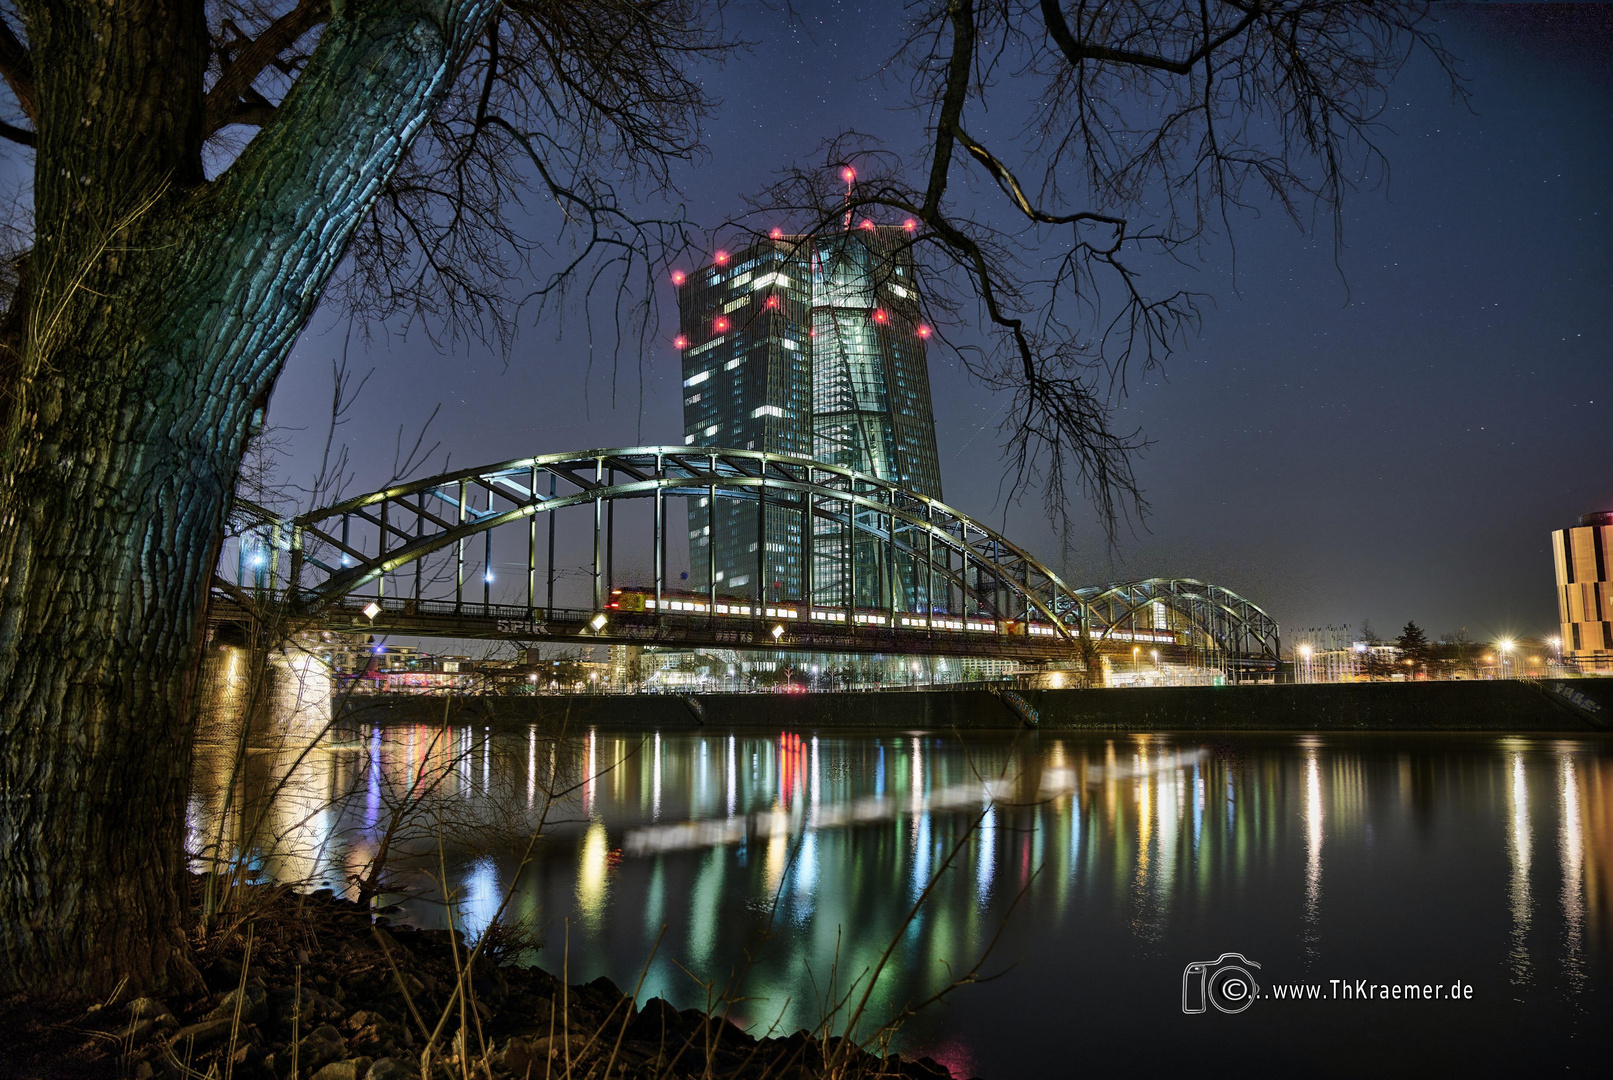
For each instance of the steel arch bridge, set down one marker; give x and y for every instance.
(1234, 625)
(404, 560)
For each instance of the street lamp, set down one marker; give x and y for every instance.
(778, 632)
(597, 623)
(1505, 647)
(1136, 663)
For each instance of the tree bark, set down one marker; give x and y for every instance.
(159, 311)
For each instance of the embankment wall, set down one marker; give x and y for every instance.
(1522, 706)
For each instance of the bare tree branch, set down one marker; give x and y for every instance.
(1151, 122)
(17, 68)
(225, 104)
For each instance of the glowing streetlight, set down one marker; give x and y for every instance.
(371, 610)
(778, 632)
(597, 623)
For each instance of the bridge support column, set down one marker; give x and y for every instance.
(459, 556)
(531, 551)
(419, 531)
(380, 579)
(851, 565)
(760, 592)
(660, 535)
(549, 595)
(929, 571)
(807, 551)
(893, 572)
(599, 522)
(711, 541)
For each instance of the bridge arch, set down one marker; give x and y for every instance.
(944, 551)
(937, 565)
(1227, 622)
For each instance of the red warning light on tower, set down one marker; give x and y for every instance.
(679, 277)
(721, 325)
(777, 233)
(923, 331)
(772, 302)
(866, 223)
(721, 258)
(680, 342)
(880, 317)
(910, 225)
(848, 174)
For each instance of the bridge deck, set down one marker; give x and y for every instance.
(502, 622)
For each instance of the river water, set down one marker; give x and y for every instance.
(1085, 872)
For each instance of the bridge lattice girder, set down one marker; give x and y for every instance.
(361, 542)
(1227, 621)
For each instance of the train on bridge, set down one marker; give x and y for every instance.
(643, 599)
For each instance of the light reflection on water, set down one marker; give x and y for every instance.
(1122, 857)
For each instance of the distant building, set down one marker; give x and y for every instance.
(811, 347)
(1584, 596)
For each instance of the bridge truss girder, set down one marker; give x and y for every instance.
(367, 542)
(407, 523)
(1223, 621)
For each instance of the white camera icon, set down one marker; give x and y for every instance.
(1224, 982)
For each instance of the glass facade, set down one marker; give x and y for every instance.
(1584, 558)
(810, 347)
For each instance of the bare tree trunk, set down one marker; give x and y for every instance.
(159, 311)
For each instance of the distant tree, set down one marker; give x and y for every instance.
(1086, 652)
(1454, 653)
(1412, 639)
(1413, 648)
(1376, 664)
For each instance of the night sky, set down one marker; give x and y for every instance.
(1393, 444)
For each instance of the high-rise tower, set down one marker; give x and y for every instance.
(1585, 590)
(813, 347)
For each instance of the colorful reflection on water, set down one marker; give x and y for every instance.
(787, 864)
